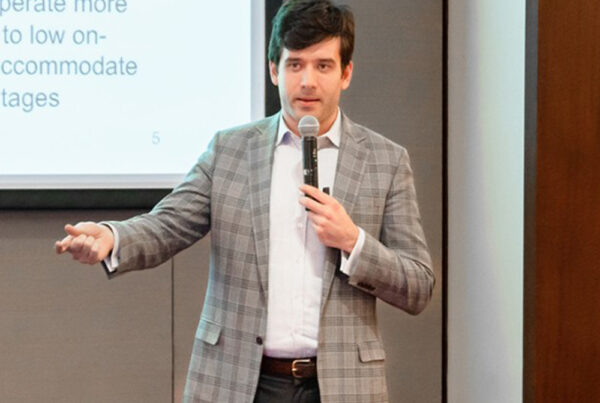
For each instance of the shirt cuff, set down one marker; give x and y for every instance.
(112, 261)
(349, 260)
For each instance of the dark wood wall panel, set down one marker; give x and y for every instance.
(567, 223)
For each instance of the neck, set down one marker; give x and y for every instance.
(324, 127)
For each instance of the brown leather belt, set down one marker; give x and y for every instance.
(299, 368)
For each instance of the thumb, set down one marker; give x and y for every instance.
(72, 230)
(85, 228)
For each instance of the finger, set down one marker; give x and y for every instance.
(316, 228)
(59, 247)
(78, 257)
(321, 233)
(89, 241)
(87, 251)
(77, 244)
(84, 252)
(316, 193)
(313, 205)
(93, 254)
(62, 245)
(316, 219)
(72, 230)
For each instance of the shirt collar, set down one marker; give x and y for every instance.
(333, 134)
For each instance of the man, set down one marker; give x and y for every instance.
(289, 313)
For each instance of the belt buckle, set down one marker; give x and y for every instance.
(297, 367)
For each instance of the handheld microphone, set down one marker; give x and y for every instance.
(309, 129)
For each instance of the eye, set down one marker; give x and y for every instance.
(323, 66)
(294, 66)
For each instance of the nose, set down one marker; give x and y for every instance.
(308, 78)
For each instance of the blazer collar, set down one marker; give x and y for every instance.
(260, 157)
(349, 173)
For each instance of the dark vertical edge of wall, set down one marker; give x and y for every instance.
(445, 202)
(172, 330)
(271, 95)
(529, 264)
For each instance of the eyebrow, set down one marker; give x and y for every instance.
(298, 59)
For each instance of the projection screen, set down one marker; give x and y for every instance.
(111, 94)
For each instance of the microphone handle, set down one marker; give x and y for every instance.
(309, 163)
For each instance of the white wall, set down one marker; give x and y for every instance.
(485, 168)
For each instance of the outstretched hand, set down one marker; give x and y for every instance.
(87, 242)
(333, 225)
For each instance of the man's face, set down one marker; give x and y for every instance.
(310, 81)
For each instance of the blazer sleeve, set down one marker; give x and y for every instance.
(176, 222)
(397, 267)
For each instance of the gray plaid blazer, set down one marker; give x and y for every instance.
(227, 193)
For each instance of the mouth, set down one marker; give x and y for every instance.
(307, 100)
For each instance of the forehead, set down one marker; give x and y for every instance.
(326, 49)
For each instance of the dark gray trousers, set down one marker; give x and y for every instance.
(278, 389)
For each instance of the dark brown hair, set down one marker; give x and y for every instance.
(301, 23)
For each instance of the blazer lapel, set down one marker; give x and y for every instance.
(260, 158)
(349, 173)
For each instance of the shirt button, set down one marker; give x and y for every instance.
(259, 341)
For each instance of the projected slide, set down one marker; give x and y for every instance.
(118, 93)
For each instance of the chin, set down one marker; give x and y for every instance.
(308, 111)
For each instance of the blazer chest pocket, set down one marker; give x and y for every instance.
(370, 351)
(208, 331)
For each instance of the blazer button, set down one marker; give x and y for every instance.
(259, 341)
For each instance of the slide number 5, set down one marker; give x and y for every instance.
(155, 138)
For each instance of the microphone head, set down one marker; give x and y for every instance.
(308, 126)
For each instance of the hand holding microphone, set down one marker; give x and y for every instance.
(333, 225)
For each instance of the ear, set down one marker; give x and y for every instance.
(273, 73)
(347, 75)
